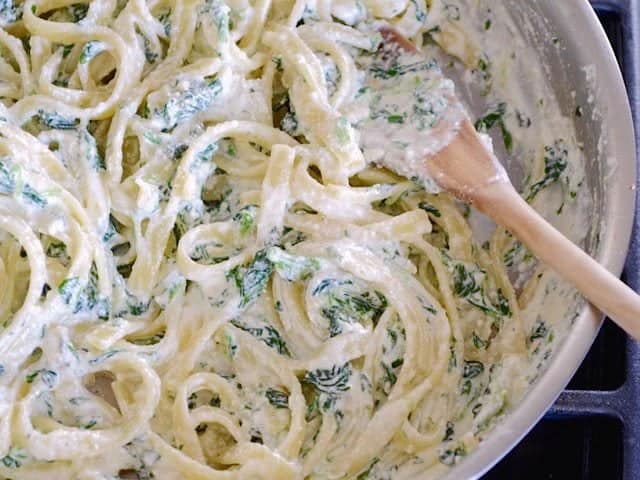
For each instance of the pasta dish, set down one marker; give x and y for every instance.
(205, 275)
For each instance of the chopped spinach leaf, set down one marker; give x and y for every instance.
(87, 298)
(267, 334)
(15, 458)
(78, 11)
(7, 179)
(135, 306)
(324, 285)
(451, 456)
(10, 12)
(90, 151)
(219, 13)
(510, 255)
(467, 284)
(104, 356)
(67, 289)
(430, 209)
(421, 15)
(197, 98)
(390, 378)
(201, 254)
(232, 346)
(277, 398)
(277, 60)
(89, 425)
(503, 304)
(251, 279)
(56, 121)
(397, 363)
(149, 54)
(555, 164)
(330, 383)
(245, 218)
(350, 307)
(10, 183)
(449, 432)
(207, 154)
(48, 376)
(58, 250)
(292, 267)
(472, 369)
(479, 342)
(496, 118)
(30, 194)
(539, 330)
(387, 70)
(66, 50)
(453, 360)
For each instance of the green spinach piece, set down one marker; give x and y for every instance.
(429, 209)
(555, 163)
(48, 376)
(277, 398)
(10, 12)
(267, 334)
(292, 267)
(538, 331)
(329, 383)
(387, 70)
(90, 151)
(472, 369)
(245, 218)
(15, 458)
(56, 121)
(467, 284)
(9, 182)
(496, 118)
(451, 456)
(348, 308)
(251, 280)
(85, 298)
(190, 102)
(78, 11)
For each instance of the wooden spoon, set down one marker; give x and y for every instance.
(468, 168)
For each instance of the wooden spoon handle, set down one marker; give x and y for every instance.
(503, 204)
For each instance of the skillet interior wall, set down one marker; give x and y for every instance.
(569, 74)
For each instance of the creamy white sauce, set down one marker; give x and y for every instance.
(413, 112)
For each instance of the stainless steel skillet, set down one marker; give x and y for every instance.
(606, 129)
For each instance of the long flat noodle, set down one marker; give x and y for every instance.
(275, 194)
(67, 443)
(322, 123)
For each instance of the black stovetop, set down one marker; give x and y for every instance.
(593, 430)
